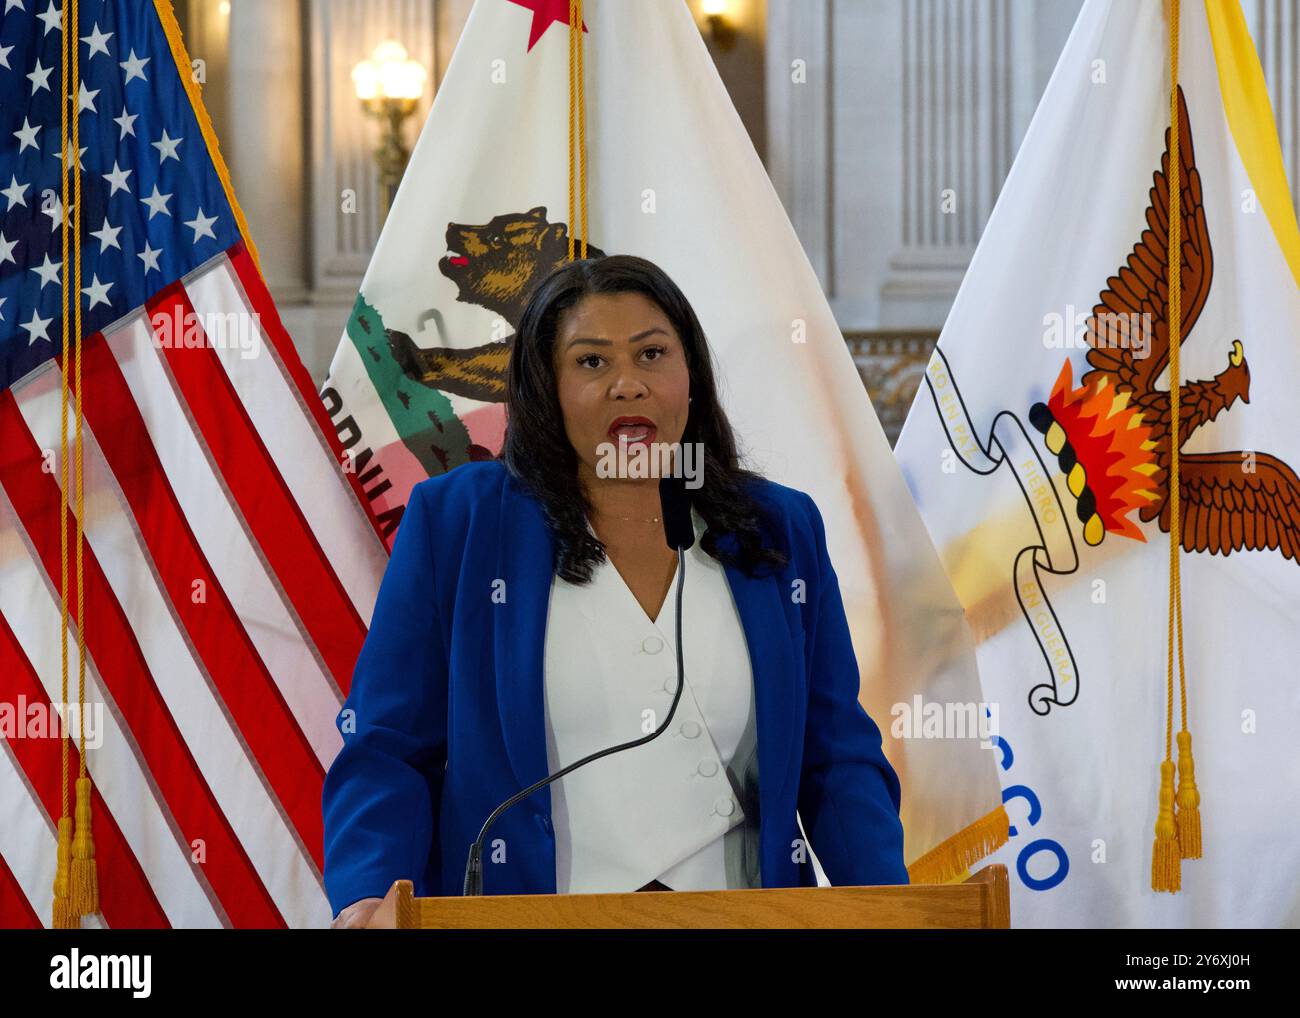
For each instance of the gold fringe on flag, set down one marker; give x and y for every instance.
(949, 860)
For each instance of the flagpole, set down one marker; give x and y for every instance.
(578, 113)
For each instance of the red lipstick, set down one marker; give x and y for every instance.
(633, 429)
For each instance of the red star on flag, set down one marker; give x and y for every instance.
(544, 13)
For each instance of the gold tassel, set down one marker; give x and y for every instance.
(64, 917)
(85, 878)
(1189, 800)
(1166, 870)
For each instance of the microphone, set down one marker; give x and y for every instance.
(678, 528)
(679, 532)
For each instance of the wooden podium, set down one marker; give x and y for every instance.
(980, 903)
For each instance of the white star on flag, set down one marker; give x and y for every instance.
(49, 272)
(4, 56)
(117, 179)
(14, 192)
(157, 203)
(53, 18)
(134, 67)
(97, 40)
(202, 225)
(80, 152)
(97, 292)
(107, 236)
(7, 250)
(55, 212)
(36, 328)
(86, 100)
(39, 77)
(166, 147)
(150, 257)
(26, 136)
(127, 123)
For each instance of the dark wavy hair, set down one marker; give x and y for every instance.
(538, 452)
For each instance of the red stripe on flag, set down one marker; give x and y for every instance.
(258, 709)
(123, 670)
(272, 516)
(259, 299)
(125, 898)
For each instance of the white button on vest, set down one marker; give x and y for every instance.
(667, 809)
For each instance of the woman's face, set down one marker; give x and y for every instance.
(621, 377)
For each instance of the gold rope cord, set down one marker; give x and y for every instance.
(62, 916)
(85, 883)
(1177, 833)
(76, 885)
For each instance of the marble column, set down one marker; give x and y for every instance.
(1275, 25)
(266, 151)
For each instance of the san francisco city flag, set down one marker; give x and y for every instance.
(483, 213)
(1040, 452)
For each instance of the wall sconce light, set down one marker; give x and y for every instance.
(719, 28)
(389, 86)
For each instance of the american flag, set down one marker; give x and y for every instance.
(230, 563)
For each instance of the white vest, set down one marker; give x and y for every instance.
(671, 809)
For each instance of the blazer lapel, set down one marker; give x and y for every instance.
(525, 561)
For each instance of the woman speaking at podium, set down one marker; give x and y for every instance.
(527, 619)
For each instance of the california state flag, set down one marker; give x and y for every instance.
(483, 214)
(1040, 454)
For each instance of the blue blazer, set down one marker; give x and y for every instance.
(444, 720)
